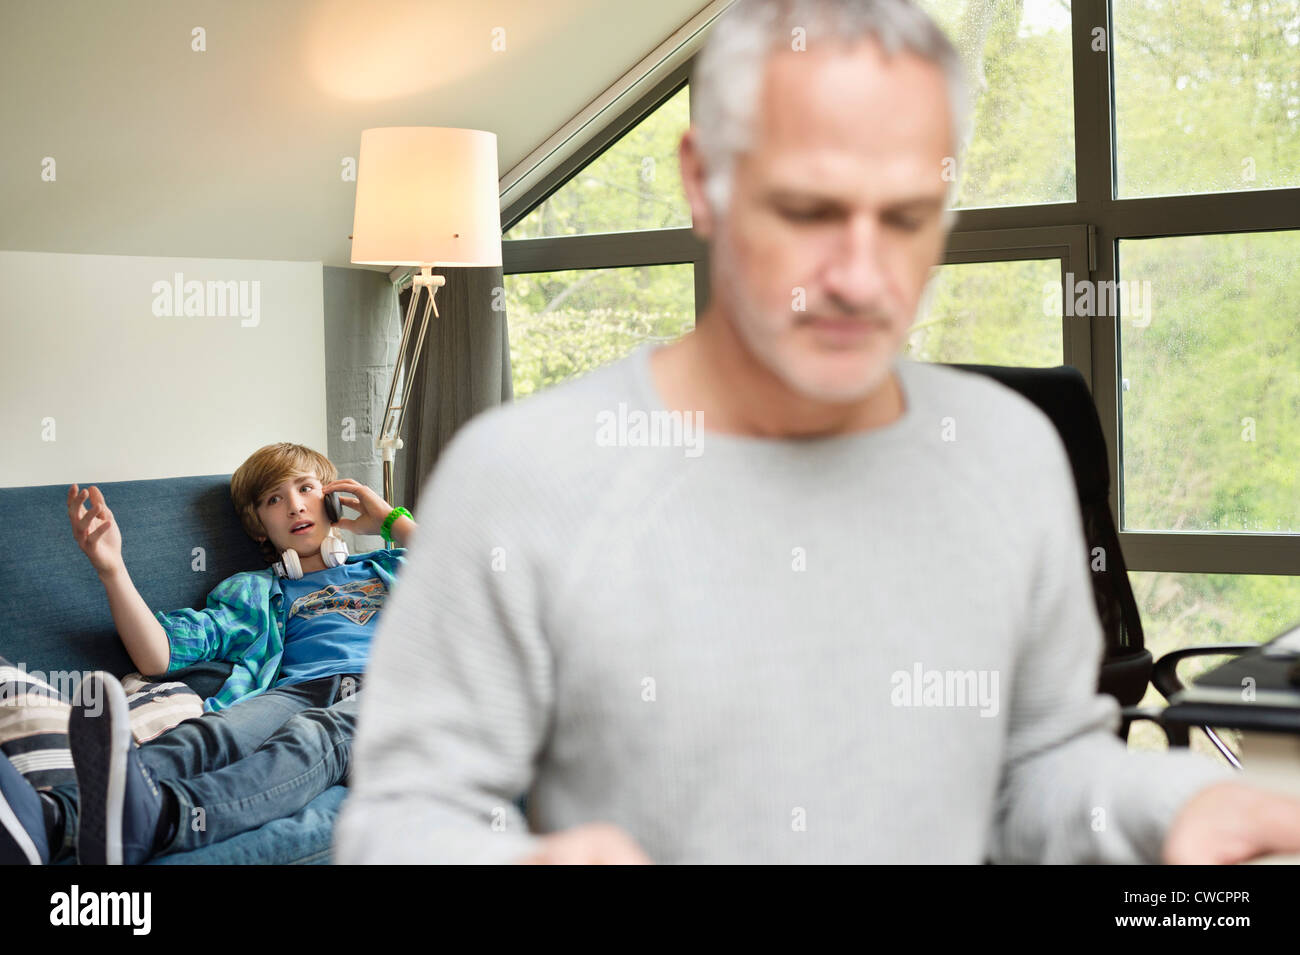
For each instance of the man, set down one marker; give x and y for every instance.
(721, 650)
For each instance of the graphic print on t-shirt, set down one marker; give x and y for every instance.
(357, 600)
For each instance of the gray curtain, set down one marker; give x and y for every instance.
(464, 369)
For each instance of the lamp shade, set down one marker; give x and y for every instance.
(427, 195)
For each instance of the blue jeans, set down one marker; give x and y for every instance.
(234, 770)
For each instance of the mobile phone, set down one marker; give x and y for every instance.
(333, 507)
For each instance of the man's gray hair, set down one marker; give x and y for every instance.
(727, 77)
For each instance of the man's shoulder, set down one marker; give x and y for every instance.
(963, 384)
(996, 445)
(993, 415)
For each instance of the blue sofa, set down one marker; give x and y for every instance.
(56, 616)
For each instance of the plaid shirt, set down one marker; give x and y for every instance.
(243, 623)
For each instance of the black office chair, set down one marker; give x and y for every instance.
(1062, 394)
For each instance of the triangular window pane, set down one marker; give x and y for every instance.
(634, 185)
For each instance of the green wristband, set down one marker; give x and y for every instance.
(393, 515)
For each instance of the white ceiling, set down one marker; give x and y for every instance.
(236, 152)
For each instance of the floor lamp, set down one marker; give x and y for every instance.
(427, 197)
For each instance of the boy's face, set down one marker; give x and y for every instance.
(296, 501)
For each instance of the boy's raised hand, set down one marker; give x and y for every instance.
(95, 530)
(374, 509)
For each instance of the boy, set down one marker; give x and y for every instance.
(278, 732)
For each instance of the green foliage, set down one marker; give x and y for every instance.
(1022, 147)
(563, 324)
(1206, 95)
(1210, 428)
(635, 184)
(990, 313)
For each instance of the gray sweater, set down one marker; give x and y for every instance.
(876, 647)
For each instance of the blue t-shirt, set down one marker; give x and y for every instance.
(330, 619)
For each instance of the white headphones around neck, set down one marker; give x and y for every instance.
(332, 550)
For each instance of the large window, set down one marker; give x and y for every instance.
(1197, 610)
(635, 184)
(592, 271)
(1144, 152)
(989, 313)
(1018, 58)
(565, 323)
(1207, 95)
(1210, 356)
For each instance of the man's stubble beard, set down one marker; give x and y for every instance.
(765, 350)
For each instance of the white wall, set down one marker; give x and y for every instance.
(127, 394)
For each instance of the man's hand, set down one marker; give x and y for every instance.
(1230, 822)
(596, 843)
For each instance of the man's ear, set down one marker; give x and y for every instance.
(693, 177)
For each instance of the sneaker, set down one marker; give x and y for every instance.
(22, 822)
(120, 800)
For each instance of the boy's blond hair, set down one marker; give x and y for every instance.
(265, 470)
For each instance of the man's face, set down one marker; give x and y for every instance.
(835, 218)
(293, 502)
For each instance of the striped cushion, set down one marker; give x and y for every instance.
(34, 726)
(34, 718)
(157, 707)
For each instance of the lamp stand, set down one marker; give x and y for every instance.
(387, 440)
